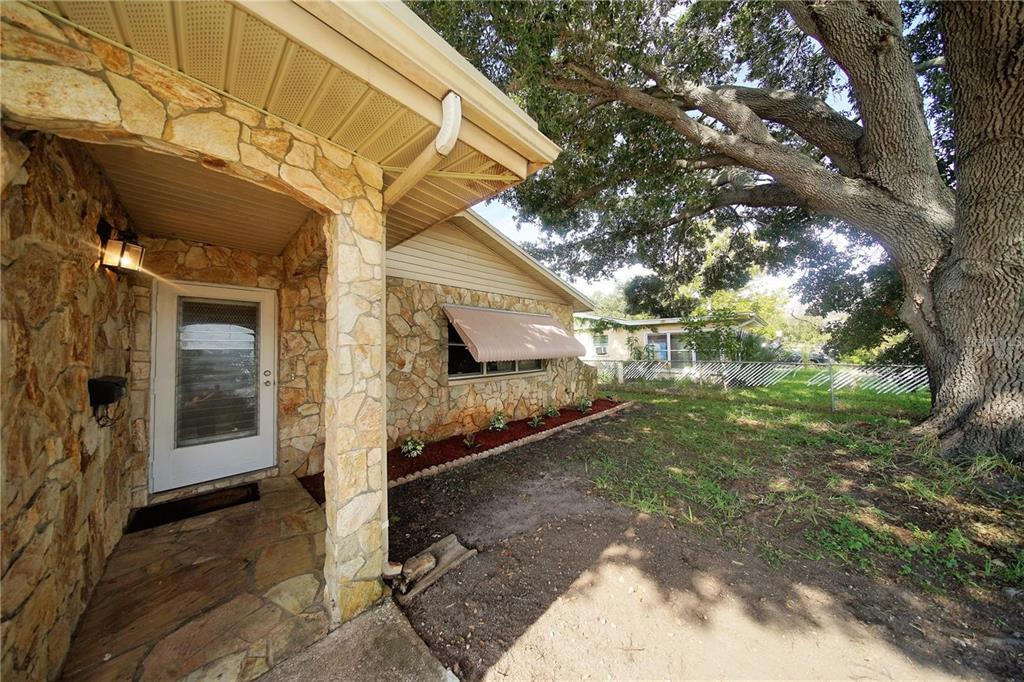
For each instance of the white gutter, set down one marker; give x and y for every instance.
(301, 25)
(750, 319)
(432, 154)
(394, 34)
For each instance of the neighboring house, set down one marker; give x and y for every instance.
(312, 288)
(661, 337)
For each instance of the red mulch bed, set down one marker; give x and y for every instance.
(443, 451)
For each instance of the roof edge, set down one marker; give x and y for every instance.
(745, 317)
(397, 36)
(580, 301)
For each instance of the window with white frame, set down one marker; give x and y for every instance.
(672, 348)
(601, 344)
(462, 364)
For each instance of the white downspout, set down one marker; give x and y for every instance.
(433, 154)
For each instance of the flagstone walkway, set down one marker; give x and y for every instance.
(225, 595)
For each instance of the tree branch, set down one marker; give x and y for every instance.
(864, 202)
(865, 38)
(772, 195)
(933, 63)
(737, 117)
(809, 117)
(706, 162)
(594, 190)
(763, 153)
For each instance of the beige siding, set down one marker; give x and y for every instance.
(447, 255)
(618, 349)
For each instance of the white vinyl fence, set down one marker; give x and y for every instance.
(879, 378)
(724, 373)
(892, 379)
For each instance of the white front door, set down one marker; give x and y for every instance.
(214, 387)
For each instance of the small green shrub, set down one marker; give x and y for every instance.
(412, 447)
(499, 422)
(535, 422)
(551, 412)
(584, 404)
(470, 441)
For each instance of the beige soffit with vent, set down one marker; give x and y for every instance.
(345, 87)
(393, 32)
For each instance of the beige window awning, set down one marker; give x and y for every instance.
(492, 335)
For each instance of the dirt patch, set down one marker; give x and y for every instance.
(450, 449)
(569, 585)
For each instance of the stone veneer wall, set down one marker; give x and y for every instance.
(66, 481)
(59, 80)
(302, 365)
(421, 400)
(355, 476)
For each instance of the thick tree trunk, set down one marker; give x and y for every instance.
(978, 288)
(978, 372)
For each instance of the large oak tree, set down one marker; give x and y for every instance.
(780, 123)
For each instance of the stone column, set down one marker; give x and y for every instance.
(354, 464)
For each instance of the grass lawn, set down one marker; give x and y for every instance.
(774, 470)
(777, 540)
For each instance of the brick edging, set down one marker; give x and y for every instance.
(532, 438)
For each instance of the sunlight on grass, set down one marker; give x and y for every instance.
(742, 420)
(915, 488)
(994, 534)
(776, 469)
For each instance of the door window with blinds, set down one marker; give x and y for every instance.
(214, 387)
(217, 371)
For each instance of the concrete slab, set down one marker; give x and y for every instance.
(378, 645)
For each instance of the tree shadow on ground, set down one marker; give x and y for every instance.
(567, 583)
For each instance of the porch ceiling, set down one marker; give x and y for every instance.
(280, 58)
(171, 197)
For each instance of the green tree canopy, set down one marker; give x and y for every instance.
(628, 189)
(610, 303)
(705, 138)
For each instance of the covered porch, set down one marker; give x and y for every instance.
(252, 150)
(213, 398)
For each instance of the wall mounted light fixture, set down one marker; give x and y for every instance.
(121, 251)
